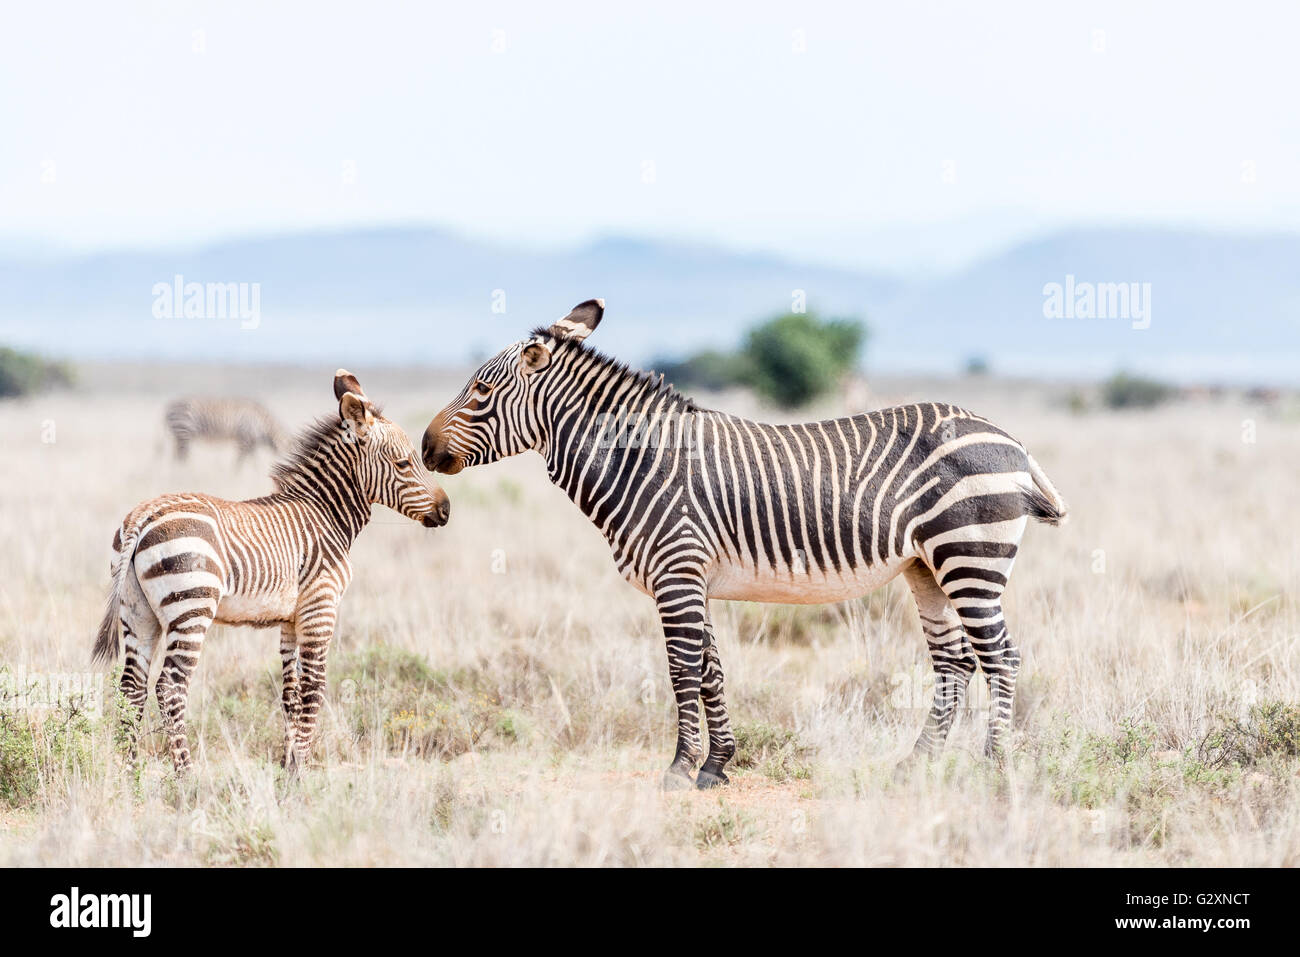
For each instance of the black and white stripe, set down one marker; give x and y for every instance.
(698, 504)
(185, 561)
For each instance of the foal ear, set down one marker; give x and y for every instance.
(356, 415)
(581, 322)
(345, 381)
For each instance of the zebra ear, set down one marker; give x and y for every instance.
(356, 415)
(345, 381)
(535, 357)
(581, 322)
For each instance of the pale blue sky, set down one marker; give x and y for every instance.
(909, 136)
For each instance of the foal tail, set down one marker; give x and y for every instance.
(1043, 501)
(108, 642)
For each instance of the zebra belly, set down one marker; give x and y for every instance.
(746, 583)
(263, 608)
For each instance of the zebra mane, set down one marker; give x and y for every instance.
(650, 384)
(308, 443)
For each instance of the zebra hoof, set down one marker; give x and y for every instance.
(675, 780)
(710, 779)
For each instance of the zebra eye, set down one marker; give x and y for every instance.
(403, 463)
(482, 388)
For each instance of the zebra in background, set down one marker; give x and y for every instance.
(185, 561)
(245, 422)
(698, 504)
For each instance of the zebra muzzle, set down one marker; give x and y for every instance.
(439, 516)
(433, 450)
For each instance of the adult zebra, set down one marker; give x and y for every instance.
(698, 504)
(185, 561)
(245, 422)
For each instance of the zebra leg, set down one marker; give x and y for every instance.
(135, 678)
(312, 657)
(951, 655)
(290, 693)
(683, 609)
(316, 617)
(974, 579)
(246, 445)
(1000, 661)
(173, 689)
(722, 743)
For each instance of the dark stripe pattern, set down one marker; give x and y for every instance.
(697, 504)
(185, 561)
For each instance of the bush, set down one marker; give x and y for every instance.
(22, 373)
(391, 699)
(775, 752)
(1272, 729)
(31, 748)
(1123, 391)
(795, 358)
(727, 828)
(790, 360)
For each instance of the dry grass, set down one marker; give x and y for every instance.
(524, 717)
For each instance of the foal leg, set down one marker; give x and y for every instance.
(173, 688)
(140, 634)
(290, 693)
(951, 656)
(316, 618)
(187, 615)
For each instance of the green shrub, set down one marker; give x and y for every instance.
(1271, 729)
(30, 748)
(392, 699)
(22, 373)
(775, 752)
(796, 358)
(388, 665)
(1090, 768)
(790, 360)
(1124, 391)
(727, 828)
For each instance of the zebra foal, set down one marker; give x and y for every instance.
(698, 504)
(185, 561)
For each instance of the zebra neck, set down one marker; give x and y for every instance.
(606, 425)
(322, 473)
(347, 515)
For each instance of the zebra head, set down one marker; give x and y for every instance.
(499, 412)
(387, 469)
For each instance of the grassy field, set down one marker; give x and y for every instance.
(499, 696)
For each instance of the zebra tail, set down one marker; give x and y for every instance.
(1043, 501)
(108, 642)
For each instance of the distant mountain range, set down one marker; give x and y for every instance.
(1205, 305)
